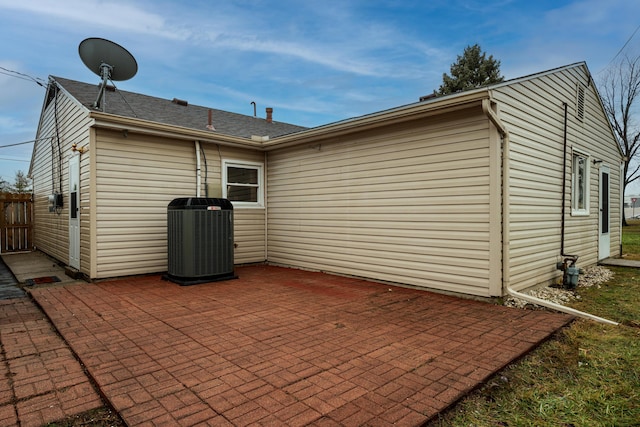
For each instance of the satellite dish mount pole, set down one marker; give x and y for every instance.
(105, 72)
(108, 60)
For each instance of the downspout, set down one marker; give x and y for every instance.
(265, 161)
(206, 172)
(488, 111)
(506, 279)
(559, 307)
(198, 175)
(564, 177)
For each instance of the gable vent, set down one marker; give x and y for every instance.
(580, 102)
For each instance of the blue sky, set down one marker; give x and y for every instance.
(314, 62)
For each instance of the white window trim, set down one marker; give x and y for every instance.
(574, 188)
(249, 165)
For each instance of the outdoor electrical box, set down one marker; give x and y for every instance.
(55, 202)
(199, 240)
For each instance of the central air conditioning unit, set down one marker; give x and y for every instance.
(199, 240)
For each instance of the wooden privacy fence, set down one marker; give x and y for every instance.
(16, 222)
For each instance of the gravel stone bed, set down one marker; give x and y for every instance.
(592, 276)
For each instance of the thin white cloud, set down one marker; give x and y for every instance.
(340, 42)
(335, 37)
(318, 54)
(9, 123)
(359, 55)
(114, 15)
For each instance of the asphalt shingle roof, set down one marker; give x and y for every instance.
(136, 105)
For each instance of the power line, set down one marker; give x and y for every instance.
(13, 75)
(26, 142)
(14, 160)
(23, 76)
(627, 42)
(621, 49)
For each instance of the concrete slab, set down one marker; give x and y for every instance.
(285, 347)
(32, 265)
(620, 262)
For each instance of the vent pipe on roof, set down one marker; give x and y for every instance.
(269, 115)
(427, 97)
(254, 108)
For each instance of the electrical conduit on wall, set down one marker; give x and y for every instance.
(198, 175)
(493, 117)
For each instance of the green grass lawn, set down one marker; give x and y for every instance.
(631, 239)
(588, 375)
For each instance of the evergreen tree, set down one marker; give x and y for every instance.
(22, 184)
(4, 186)
(472, 70)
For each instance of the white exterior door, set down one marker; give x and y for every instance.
(604, 240)
(74, 212)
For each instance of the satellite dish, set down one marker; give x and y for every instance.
(108, 60)
(98, 54)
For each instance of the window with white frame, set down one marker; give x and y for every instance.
(242, 183)
(580, 185)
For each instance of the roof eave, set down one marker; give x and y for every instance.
(396, 115)
(115, 122)
(401, 114)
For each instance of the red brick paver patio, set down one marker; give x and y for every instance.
(285, 347)
(40, 380)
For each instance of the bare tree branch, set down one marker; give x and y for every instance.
(620, 89)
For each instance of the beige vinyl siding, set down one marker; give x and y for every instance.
(51, 230)
(408, 203)
(136, 178)
(534, 114)
(249, 235)
(249, 223)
